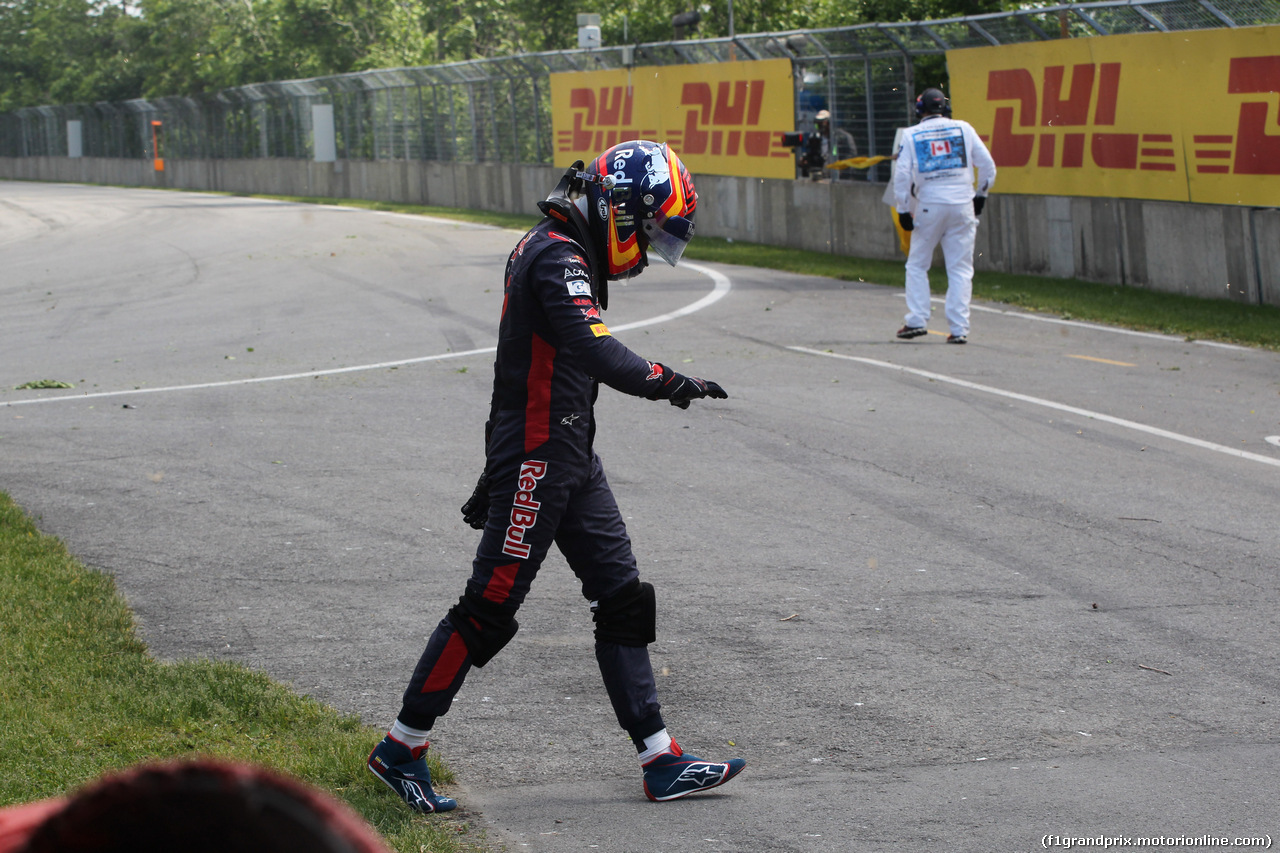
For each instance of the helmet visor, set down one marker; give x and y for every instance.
(668, 235)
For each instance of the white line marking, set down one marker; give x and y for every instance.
(412, 217)
(1174, 339)
(230, 382)
(1062, 407)
(718, 292)
(721, 289)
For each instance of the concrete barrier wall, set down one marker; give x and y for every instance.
(499, 187)
(1216, 251)
(1266, 242)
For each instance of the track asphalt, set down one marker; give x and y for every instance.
(990, 598)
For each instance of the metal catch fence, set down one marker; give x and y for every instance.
(499, 109)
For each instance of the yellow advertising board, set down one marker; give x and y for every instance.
(1186, 116)
(724, 118)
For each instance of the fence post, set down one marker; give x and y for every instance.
(325, 140)
(75, 139)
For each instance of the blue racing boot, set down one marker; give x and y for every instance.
(673, 774)
(404, 770)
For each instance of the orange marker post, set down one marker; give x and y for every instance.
(155, 145)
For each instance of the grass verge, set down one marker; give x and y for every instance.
(1194, 318)
(80, 696)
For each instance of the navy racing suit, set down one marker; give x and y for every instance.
(546, 483)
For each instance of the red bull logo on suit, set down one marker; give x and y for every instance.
(524, 509)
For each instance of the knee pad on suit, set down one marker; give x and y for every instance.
(629, 617)
(485, 627)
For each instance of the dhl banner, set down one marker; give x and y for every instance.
(724, 118)
(1186, 116)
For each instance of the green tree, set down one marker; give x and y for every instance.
(196, 46)
(398, 39)
(65, 51)
(549, 24)
(888, 11)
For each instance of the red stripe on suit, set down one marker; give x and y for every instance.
(446, 669)
(499, 587)
(537, 415)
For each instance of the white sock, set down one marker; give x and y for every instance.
(654, 745)
(407, 736)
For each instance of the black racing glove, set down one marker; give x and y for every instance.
(979, 202)
(680, 389)
(905, 220)
(475, 511)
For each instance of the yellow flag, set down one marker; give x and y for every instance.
(858, 162)
(904, 236)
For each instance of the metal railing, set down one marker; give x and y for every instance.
(499, 109)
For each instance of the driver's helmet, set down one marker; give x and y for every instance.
(641, 198)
